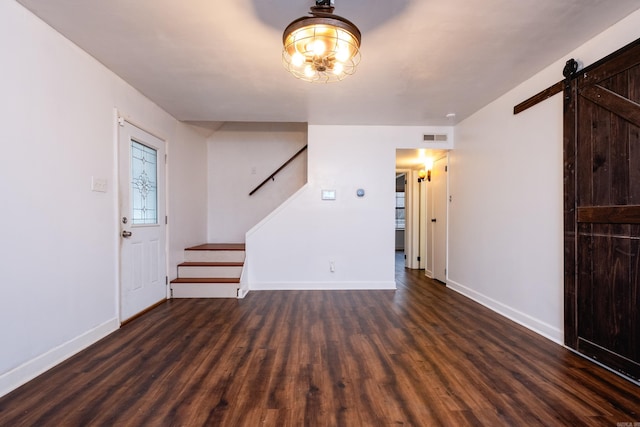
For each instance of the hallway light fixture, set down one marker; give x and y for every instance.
(426, 172)
(322, 47)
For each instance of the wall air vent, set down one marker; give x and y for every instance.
(434, 137)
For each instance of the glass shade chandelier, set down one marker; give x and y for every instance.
(322, 47)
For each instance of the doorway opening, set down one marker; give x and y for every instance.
(421, 179)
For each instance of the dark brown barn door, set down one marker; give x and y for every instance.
(602, 211)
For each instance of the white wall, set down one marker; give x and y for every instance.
(506, 175)
(293, 247)
(59, 252)
(187, 191)
(241, 156)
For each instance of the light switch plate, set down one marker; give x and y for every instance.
(98, 184)
(328, 194)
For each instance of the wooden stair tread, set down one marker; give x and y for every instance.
(218, 247)
(211, 264)
(221, 260)
(206, 280)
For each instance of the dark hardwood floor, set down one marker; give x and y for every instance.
(421, 356)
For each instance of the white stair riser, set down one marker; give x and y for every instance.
(205, 290)
(209, 271)
(214, 256)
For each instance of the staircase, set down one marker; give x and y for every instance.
(212, 270)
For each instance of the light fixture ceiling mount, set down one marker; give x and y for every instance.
(322, 47)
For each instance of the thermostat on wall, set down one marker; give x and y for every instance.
(328, 194)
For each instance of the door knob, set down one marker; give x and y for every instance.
(433, 220)
(126, 233)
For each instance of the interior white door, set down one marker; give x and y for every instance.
(141, 160)
(439, 220)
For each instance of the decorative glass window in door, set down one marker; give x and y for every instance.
(144, 184)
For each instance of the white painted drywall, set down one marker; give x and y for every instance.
(59, 252)
(506, 174)
(187, 179)
(294, 247)
(240, 157)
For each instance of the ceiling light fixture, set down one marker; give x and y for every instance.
(322, 47)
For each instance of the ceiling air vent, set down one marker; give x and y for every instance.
(434, 137)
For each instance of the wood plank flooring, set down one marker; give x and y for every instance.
(419, 356)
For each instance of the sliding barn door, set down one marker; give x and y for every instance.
(602, 211)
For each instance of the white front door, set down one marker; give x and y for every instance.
(439, 226)
(141, 159)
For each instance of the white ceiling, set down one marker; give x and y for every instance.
(217, 61)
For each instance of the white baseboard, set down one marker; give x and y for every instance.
(537, 326)
(20, 375)
(320, 286)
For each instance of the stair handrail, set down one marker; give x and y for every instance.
(278, 170)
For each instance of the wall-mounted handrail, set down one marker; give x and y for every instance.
(278, 170)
